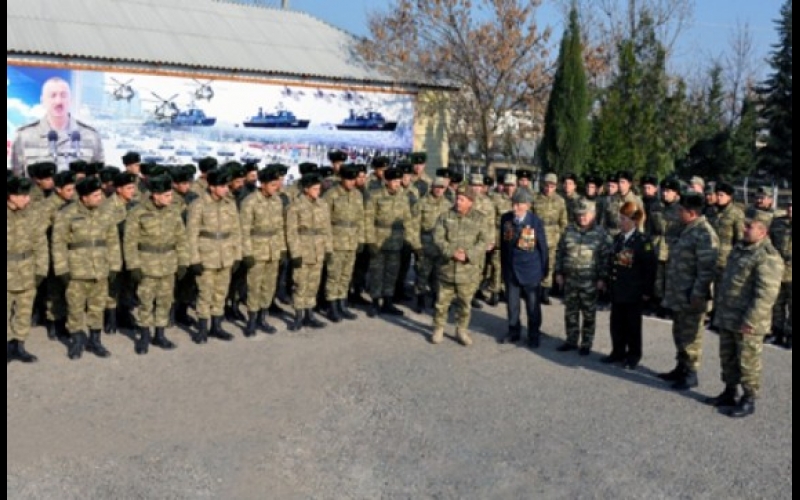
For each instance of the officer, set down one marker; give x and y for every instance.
(431, 207)
(27, 262)
(42, 176)
(690, 271)
(781, 235)
(421, 180)
(215, 246)
(750, 286)
(346, 204)
(310, 243)
(581, 270)
(206, 165)
(58, 136)
(461, 240)
(156, 252)
(571, 196)
(86, 257)
(550, 207)
(665, 235)
(263, 247)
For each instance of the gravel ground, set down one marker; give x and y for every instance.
(370, 410)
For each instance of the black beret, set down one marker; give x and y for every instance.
(125, 179)
(88, 185)
(571, 177)
(488, 181)
(337, 156)
(207, 164)
(524, 174)
(43, 170)
(235, 170)
(95, 167)
(693, 201)
(406, 167)
(159, 184)
(78, 167)
(326, 172)
(108, 174)
(268, 174)
(625, 175)
(456, 177)
(649, 179)
(310, 180)
(65, 178)
(671, 184)
(308, 168)
(18, 185)
(443, 172)
(418, 158)
(182, 174)
(349, 172)
(218, 177)
(381, 162)
(393, 174)
(131, 157)
(725, 187)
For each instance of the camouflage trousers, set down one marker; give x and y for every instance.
(56, 299)
(552, 247)
(155, 301)
(462, 294)
(782, 311)
(212, 288)
(307, 280)
(580, 299)
(19, 307)
(687, 332)
(262, 285)
(384, 267)
(86, 300)
(426, 271)
(740, 357)
(493, 273)
(340, 272)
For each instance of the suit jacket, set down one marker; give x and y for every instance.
(523, 249)
(633, 268)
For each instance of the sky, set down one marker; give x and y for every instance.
(709, 36)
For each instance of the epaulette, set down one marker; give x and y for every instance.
(66, 205)
(131, 205)
(30, 125)
(85, 125)
(190, 197)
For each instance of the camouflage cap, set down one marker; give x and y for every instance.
(585, 207)
(466, 192)
(476, 180)
(551, 178)
(698, 181)
(522, 196)
(764, 191)
(441, 182)
(761, 216)
(510, 180)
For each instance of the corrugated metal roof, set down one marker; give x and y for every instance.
(201, 34)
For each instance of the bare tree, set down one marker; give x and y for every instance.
(741, 68)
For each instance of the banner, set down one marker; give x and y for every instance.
(61, 115)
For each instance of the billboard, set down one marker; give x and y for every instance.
(62, 114)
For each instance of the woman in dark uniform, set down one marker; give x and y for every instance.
(633, 273)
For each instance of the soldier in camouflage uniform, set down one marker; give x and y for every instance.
(525, 180)
(461, 241)
(604, 197)
(215, 246)
(107, 176)
(182, 197)
(690, 271)
(156, 252)
(571, 196)
(550, 207)
(581, 269)
(361, 268)
(389, 223)
(206, 165)
(27, 262)
(237, 290)
(42, 176)
(376, 181)
(667, 230)
(502, 205)
(744, 302)
(133, 165)
(431, 207)
(421, 181)
(346, 204)
(485, 206)
(410, 190)
(310, 243)
(86, 257)
(615, 202)
(763, 203)
(712, 204)
(781, 235)
(728, 222)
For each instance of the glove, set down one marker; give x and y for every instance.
(249, 262)
(112, 276)
(297, 262)
(328, 258)
(197, 269)
(136, 275)
(181, 273)
(64, 279)
(39, 280)
(236, 265)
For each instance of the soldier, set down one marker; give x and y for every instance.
(728, 222)
(421, 180)
(781, 235)
(581, 269)
(215, 246)
(376, 180)
(483, 205)
(156, 252)
(337, 159)
(237, 291)
(263, 247)
(431, 207)
(653, 209)
(346, 204)
(744, 303)
(206, 165)
(461, 241)
(58, 136)
(763, 203)
(502, 205)
(571, 196)
(27, 262)
(591, 187)
(665, 235)
(42, 176)
(86, 257)
(550, 207)
(712, 201)
(107, 176)
(306, 168)
(697, 184)
(359, 281)
(615, 202)
(410, 190)
(182, 197)
(689, 274)
(78, 168)
(525, 179)
(603, 199)
(310, 243)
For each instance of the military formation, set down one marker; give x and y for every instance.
(94, 249)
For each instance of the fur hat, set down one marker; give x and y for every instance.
(693, 201)
(393, 174)
(160, 184)
(88, 186)
(131, 157)
(207, 164)
(18, 186)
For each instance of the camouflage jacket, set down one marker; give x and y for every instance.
(781, 234)
(584, 253)
(155, 240)
(729, 225)
(669, 232)
(423, 184)
(26, 249)
(610, 216)
(308, 230)
(468, 233)
(749, 288)
(47, 209)
(691, 266)
(214, 232)
(85, 243)
(263, 224)
(389, 222)
(572, 205)
(430, 209)
(347, 218)
(484, 205)
(552, 210)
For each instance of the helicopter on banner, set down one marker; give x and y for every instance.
(204, 92)
(123, 91)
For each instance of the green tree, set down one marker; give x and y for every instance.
(743, 141)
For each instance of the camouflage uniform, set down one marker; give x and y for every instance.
(155, 243)
(405, 255)
(781, 235)
(430, 209)
(263, 238)
(572, 205)
(582, 258)
(729, 225)
(552, 210)
(502, 204)
(186, 287)
(309, 238)
(611, 210)
(347, 222)
(26, 260)
(56, 293)
(749, 288)
(121, 288)
(423, 184)
(31, 145)
(669, 231)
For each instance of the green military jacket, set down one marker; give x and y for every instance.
(465, 232)
(584, 253)
(85, 243)
(729, 225)
(691, 266)
(26, 249)
(389, 222)
(214, 232)
(155, 240)
(430, 209)
(781, 234)
(263, 227)
(48, 208)
(552, 210)
(669, 231)
(572, 205)
(750, 287)
(611, 208)
(484, 205)
(347, 218)
(308, 230)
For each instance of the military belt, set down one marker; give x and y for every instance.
(209, 235)
(18, 257)
(80, 245)
(265, 233)
(310, 232)
(156, 248)
(394, 226)
(344, 223)
(429, 233)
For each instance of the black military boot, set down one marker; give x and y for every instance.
(788, 342)
(494, 299)
(217, 331)
(333, 311)
(345, 312)
(161, 340)
(687, 381)
(726, 399)
(374, 308)
(476, 302)
(142, 345)
(21, 354)
(182, 316)
(546, 296)
(263, 324)
(297, 324)
(355, 298)
(514, 335)
(311, 321)
(276, 310)
(10, 350)
(233, 314)
(110, 321)
(77, 343)
(672, 376)
(201, 335)
(534, 337)
(95, 346)
(420, 306)
(390, 309)
(252, 320)
(51, 330)
(745, 408)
